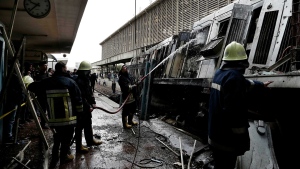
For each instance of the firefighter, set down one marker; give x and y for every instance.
(84, 121)
(228, 124)
(126, 82)
(64, 103)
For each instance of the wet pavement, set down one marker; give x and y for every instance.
(126, 148)
(151, 144)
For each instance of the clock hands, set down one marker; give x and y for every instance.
(34, 6)
(34, 3)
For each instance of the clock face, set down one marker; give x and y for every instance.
(37, 8)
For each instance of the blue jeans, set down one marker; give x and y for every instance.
(9, 120)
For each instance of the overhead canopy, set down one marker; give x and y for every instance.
(51, 57)
(53, 34)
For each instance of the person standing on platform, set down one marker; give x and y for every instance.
(228, 111)
(50, 72)
(93, 79)
(25, 111)
(128, 88)
(113, 85)
(42, 74)
(11, 103)
(84, 121)
(63, 97)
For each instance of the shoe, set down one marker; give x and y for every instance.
(67, 158)
(95, 142)
(133, 123)
(130, 120)
(127, 126)
(82, 149)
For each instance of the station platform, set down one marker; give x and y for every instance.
(151, 144)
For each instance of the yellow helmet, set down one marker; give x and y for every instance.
(85, 65)
(27, 80)
(234, 51)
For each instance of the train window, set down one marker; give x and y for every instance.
(253, 24)
(195, 33)
(223, 28)
(200, 35)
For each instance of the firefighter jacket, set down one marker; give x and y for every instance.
(87, 94)
(63, 98)
(126, 82)
(41, 75)
(228, 113)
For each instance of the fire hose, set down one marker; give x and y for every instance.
(143, 78)
(113, 112)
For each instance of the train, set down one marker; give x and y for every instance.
(177, 74)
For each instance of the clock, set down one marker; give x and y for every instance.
(37, 8)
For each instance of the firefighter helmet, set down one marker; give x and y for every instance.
(234, 52)
(27, 80)
(85, 65)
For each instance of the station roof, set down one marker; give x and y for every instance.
(54, 33)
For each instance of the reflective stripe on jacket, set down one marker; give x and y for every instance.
(228, 111)
(63, 99)
(60, 111)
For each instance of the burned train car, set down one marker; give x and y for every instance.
(180, 69)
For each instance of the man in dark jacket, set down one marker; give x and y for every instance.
(228, 121)
(84, 121)
(93, 79)
(40, 75)
(59, 91)
(11, 103)
(126, 82)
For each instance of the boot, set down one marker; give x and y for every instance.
(79, 147)
(130, 120)
(66, 159)
(82, 149)
(125, 124)
(89, 137)
(96, 142)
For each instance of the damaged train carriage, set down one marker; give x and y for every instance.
(183, 67)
